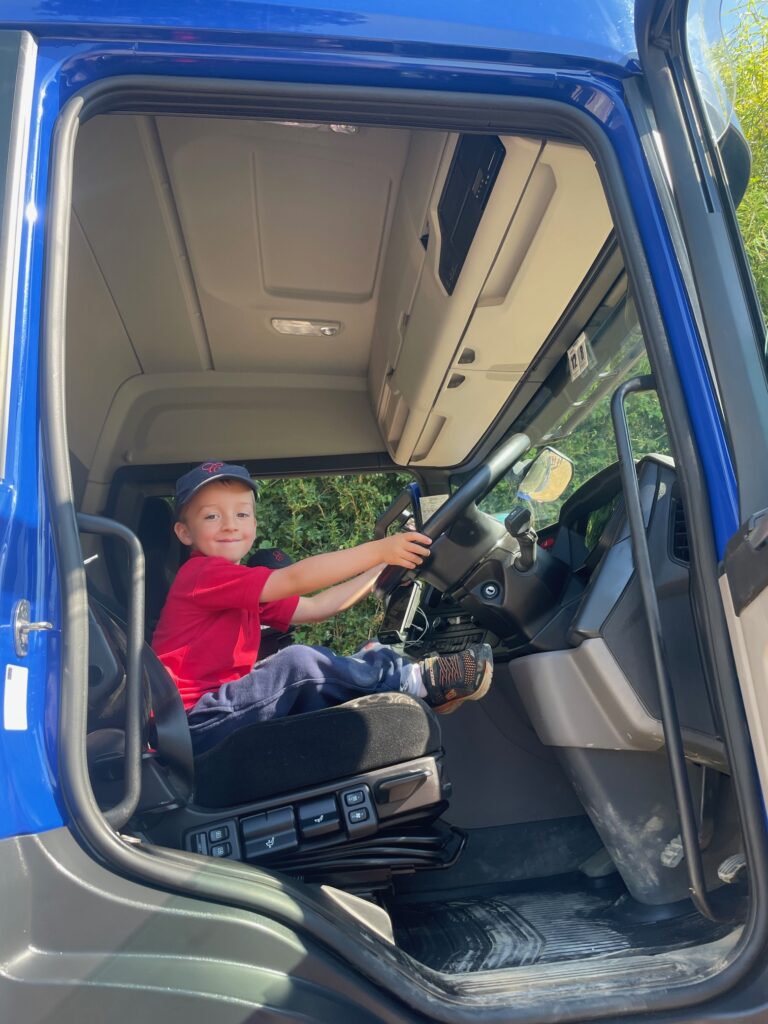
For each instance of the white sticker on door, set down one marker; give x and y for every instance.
(15, 698)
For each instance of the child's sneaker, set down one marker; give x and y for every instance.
(451, 679)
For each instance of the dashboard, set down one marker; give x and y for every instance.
(581, 585)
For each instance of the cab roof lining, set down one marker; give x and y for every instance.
(209, 227)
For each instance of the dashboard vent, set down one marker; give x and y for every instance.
(680, 548)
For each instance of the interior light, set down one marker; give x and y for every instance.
(317, 328)
(339, 129)
(298, 124)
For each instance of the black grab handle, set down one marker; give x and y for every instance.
(118, 815)
(673, 737)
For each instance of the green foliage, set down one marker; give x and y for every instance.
(309, 515)
(744, 62)
(591, 447)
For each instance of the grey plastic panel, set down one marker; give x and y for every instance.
(81, 945)
(612, 577)
(488, 747)
(612, 608)
(625, 629)
(581, 698)
(616, 567)
(629, 798)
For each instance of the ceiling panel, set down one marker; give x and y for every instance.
(286, 222)
(124, 210)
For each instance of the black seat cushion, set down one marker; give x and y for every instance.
(298, 751)
(269, 758)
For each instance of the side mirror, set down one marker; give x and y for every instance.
(547, 476)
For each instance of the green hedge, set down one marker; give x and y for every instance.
(743, 61)
(309, 515)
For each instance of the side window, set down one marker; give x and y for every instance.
(728, 49)
(581, 428)
(309, 515)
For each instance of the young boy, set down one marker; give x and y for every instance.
(209, 629)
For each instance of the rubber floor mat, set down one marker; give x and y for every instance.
(517, 928)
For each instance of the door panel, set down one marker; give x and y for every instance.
(29, 705)
(732, 334)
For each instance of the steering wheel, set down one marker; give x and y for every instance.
(484, 477)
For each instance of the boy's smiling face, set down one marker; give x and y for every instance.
(219, 520)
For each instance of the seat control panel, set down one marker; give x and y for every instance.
(322, 818)
(219, 839)
(359, 811)
(351, 814)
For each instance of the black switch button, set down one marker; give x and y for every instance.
(268, 843)
(271, 832)
(218, 835)
(221, 850)
(359, 814)
(200, 842)
(357, 796)
(269, 823)
(318, 817)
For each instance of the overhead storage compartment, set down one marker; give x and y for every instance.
(475, 166)
(544, 223)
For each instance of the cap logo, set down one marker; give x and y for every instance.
(211, 467)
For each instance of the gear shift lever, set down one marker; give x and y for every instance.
(518, 525)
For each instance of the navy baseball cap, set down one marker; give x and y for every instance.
(189, 484)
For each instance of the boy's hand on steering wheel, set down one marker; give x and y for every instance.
(407, 550)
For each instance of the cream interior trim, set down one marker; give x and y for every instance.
(190, 234)
(166, 417)
(749, 638)
(581, 698)
(463, 354)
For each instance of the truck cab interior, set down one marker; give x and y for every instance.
(305, 297)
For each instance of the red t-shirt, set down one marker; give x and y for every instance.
(210, 626)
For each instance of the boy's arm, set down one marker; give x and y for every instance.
(321, 571)
(336, 599)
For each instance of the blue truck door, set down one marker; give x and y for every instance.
(27, 590)
(730, 325)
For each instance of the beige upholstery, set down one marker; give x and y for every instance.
(190, 234)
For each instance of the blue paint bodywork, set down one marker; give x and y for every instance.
(587, 30)
(577, 54)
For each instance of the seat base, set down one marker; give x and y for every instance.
(331, 831)
(299, 751)
(368, 865)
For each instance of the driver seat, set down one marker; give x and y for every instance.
(306, 784)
